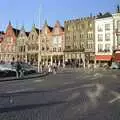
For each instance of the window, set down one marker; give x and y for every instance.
(90, 25)
(32, 37)
(100, 28)
(107, 26)
(43, 48)
(100, 47)
(60, 49)
(68, 28)
(118, 40)
(118, 25)
(54, 49)
(80, 36)
(107, 47)
(74, 37)
(107, 36)
(100, 37)
(82, 26)
(89, 45)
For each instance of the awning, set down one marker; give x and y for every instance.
(103, 57)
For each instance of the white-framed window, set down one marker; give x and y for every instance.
(100, 47)
(118, 39)
(100, 37)
(107, 47)
(99, 28)
(107, 36)
(107, 27)
(118, 25)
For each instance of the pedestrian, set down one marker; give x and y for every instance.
(49, 68)
(21, 70)
(18, 69)
(54, 68)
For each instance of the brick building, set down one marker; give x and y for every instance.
(8, 45)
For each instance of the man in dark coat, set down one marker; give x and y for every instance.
(18, 69)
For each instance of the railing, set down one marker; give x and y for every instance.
(74, 50)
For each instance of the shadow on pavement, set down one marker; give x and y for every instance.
(30, 106)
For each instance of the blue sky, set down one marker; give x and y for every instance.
(27, 11)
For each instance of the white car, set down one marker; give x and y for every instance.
(115, 65)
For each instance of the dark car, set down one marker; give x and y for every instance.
(8, 69)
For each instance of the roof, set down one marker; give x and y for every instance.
(1, 32)
(62, 28)
(37, 30)
(27, 33)
(16, 31)
(1, 36)
(105, 15)
(51, 28)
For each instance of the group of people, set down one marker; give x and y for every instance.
(52, 68)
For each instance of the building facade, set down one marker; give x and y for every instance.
(104, 40)
(45, 44)
(21, 45)
(8, 45)
(33, 46)
(116, 25)
(58, 43)
(79, 40)
(1, 40)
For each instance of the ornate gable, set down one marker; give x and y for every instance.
(58, 29)
(46, 29)
(22, 37)
(33, 35)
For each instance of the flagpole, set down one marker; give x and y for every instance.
(39, 43)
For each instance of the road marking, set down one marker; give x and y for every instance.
(38, 81)
(73, 96)
(88, 85)
(117, 97)
(114, 76)
(83, 86)
(20, 90)
(97, 93)
(66, 83)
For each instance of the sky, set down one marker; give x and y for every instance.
(29, 12)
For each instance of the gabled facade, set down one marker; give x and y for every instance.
(33, 45)
(8, 47)
(1, 40)
(45, 43)
(21, 45)
(58, 43)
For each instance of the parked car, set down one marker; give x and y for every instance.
(115, 65)
(10, 70)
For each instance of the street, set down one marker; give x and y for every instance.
(71, 94)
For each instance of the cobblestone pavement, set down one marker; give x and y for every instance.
(71, 94)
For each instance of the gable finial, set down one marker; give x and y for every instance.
(9, 22)
(118, 8)
(46, 22)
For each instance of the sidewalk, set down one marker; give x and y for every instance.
(35, 75)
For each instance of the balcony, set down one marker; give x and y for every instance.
(74, 50)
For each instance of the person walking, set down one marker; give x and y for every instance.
(18, 69)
